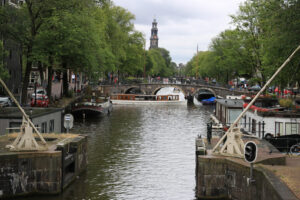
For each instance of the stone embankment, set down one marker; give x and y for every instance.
(219, 177)
(42, 172)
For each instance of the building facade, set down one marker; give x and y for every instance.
(47, 120)
(154, 37)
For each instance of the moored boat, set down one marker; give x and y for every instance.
(146, 99)
(93, 107)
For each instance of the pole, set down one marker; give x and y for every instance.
(197, 64)
(257, 95)
(145, 59)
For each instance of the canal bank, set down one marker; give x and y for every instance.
(42, 172)
(219, 177)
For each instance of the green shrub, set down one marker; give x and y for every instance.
(70, 93)
(287, 103)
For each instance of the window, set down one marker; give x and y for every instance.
(249, 127)
(44, 127)
(51, 126)
(253, 126)
(245, 121)
(291, 128)
(14, 125)
(278, 128)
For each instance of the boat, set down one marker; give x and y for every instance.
(210, 101)
(146, 99)
(92, 107)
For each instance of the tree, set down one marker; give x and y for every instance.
(23, 25)
(3, 71)
(158, 63)
(265, 33)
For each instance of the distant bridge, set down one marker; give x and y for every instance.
(153, 88)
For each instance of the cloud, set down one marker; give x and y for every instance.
(182, 24)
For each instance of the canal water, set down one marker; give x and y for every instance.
(140, 153)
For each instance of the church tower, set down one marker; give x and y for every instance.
(154, 38)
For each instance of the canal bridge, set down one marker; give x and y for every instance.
(153, 88)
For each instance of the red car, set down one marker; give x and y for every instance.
(41, 101)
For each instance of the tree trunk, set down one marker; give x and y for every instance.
(26, 82)
(65, 80)
(50, 74)
(41, 71)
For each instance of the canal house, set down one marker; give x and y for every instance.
(47, 120)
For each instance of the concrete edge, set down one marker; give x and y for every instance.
(279, 186)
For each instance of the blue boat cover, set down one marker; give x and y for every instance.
(210, 100)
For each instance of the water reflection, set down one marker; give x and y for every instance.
(139, 153)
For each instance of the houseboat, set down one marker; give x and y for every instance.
(146, 99)
(277, 120)
(280, 126)
(227, 110)
(92, 107)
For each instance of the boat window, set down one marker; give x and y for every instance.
(279, 128)
(291, 128)
(253, 126)
(249, 124)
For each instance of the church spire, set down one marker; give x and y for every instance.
(154, 38)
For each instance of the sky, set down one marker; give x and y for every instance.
(182, 24)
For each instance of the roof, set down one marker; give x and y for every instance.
(232, 103)
(13, 112)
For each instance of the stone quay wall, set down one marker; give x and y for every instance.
(44, 172)
(25, 173)
(223, 178)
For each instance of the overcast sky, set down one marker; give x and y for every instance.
(182, 24)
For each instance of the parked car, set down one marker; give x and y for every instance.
(39, 92)
(254, 88)
(40, 101)
(5, 102)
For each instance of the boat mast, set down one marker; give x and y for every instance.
(25, 140)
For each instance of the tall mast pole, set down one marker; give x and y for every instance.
(197, 63)
(229, 131)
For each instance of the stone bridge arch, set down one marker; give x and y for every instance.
(204, 89)
(126, 91)
(165, 86)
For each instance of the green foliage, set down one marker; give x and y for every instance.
(287, 103)
(264, 35)
(3, 71)
(158, 63)
(70, 94)
(94, 37)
